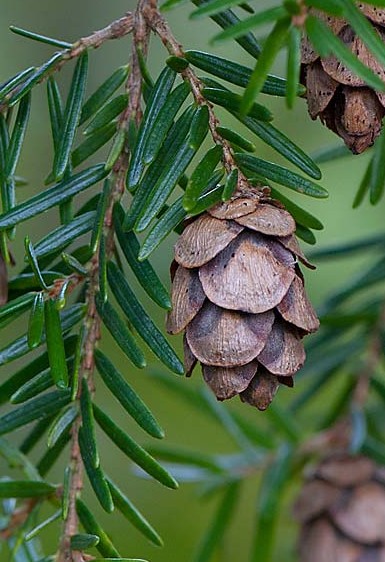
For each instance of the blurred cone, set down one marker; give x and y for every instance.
(342, 511)
(335, 94)
(238, 295)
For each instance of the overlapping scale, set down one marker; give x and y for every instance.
(296, 308)
(269, 220)
(246, 276)
(227, 338)
(227, 382)
(284, 353)
(187, 299)
(203, 239)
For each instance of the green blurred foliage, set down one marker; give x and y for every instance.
(180, 517)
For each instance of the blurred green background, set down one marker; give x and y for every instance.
(179, 516)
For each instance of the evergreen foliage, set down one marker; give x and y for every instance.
(168, 158)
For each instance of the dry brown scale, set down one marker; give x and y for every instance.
(238, 294)
(342, 511)
(335, 94)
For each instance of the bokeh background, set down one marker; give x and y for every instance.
(179, 516)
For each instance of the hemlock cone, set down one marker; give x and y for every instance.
(342, 512)
(238, 294)
(335, 94)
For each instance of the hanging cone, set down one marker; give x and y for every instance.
(342, 512)
(239, 297)
(342, 100)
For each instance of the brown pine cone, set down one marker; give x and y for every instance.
(238, 294)
(342, 512)
(335, 94)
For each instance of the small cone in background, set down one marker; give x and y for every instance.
(342, 512)
(342, 100)
(3, 281)
(238, 295)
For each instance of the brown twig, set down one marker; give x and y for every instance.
(17, 519)
(92, 335)
(128, 23)
(117, 179)
(160, 26)
(115, 30)
(141, 36)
